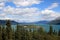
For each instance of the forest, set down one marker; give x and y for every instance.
(23, 33)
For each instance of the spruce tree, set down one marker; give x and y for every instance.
(51, 30)
(13, 34)
(55, 32)
(30, 34)
(3, 33)
(0, 32)
(17, 33)
(59, 32)
(41, 30)
(8, 30)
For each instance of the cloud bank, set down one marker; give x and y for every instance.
(27, 14)
(26, 2)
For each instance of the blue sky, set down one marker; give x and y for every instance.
(29, 10)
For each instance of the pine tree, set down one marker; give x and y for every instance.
(3, 33)
(0, 32)
(8, 30)
(40, 33)
(51, 30)
(59, 32)
(23, 32)
(55, 32)
(17, 33)
(13, 34)
(30, 34)
(41, 30)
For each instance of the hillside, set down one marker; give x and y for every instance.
(4, 22)
(56, 21)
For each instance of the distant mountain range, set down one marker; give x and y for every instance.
(38, 22)
(12, 22)
(55, 22)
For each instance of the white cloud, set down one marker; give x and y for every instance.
(2, 0)
(2, 5)
(49, 14)
(22, 14)
(2, 14)
(54, 5)
(20, 11)
(26, 2)
(27, 14)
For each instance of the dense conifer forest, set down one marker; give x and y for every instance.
(23, 33)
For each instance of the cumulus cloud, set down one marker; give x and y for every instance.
(29, 14)
(49, 14)
(2, 5)
(32, 14)
(22, 14)
(19, 11)
(26, 2)
(53, 5)
(2, 14)
(2, 0)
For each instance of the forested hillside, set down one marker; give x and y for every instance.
(23, 33)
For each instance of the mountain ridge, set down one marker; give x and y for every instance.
(14, 22)
(3, 22)
(55, 21)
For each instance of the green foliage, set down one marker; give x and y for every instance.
(27, 32)
(55, 32)
(0, 32)
(41, 31)
(17, 33)
(3, 33)
(51, 30)
(8, 30)
(59, 33)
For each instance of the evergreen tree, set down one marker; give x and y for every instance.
(17, 33)
(8, 30)
(51, 30)
(3, 33)
(55, 32)
(30, 34)
(23, 32)
(41, 30)
(0, 32)
(35, 34)
(13, 34)
(59, 32)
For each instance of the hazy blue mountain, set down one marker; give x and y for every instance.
(14, 22)
(41, 22)
(56, 21)
(4, 22)
(38, 22)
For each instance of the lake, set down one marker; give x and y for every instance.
(45, 26)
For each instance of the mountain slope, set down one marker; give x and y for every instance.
(56, 21)
(24, 23)
(12, 22)
(38, 22)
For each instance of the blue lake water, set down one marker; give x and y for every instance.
(45, 26)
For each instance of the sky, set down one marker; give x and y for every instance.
(29, 10)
